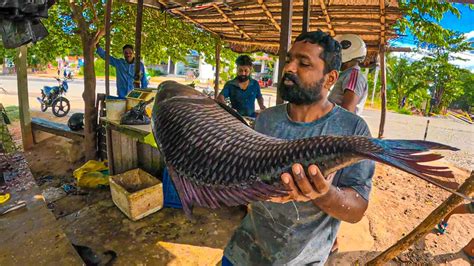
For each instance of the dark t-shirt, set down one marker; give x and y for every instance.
(242, 100)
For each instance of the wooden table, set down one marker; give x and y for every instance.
(130, 151)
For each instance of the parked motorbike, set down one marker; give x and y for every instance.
(54, 97)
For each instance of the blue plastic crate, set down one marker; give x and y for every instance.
(170, 194)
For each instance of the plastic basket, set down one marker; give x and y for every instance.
(171, 197)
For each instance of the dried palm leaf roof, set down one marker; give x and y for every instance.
(249, 26)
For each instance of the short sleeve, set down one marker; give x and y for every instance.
(226, 91)
(355, 82)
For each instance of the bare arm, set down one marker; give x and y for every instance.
(260, 103)
(350, 100)
(344, 204)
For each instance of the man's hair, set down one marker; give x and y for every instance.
(331, 54)
(243, 60)
(129, 46)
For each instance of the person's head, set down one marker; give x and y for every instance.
(311, 68)
(244, 67)
(128, 53)
(353, 51)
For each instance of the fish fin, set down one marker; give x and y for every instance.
(405, 155)
(212, 197)
(232, 112)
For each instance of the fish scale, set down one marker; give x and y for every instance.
(214, 158)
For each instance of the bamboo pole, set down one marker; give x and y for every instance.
(218, 65)
(306, 15)
(383, 95)
(285, 38)
(24, 105)
(138, 43)
(467, 188)
(108, 130)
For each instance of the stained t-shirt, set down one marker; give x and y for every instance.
(297, 233)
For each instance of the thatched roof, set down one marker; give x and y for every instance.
(254, 25)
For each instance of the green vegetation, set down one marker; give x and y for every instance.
(13, 113)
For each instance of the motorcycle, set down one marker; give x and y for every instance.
(54, 97)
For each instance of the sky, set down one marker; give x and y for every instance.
(464, 24)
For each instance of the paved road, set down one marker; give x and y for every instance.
(448, 131)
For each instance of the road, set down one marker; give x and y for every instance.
(444, 130)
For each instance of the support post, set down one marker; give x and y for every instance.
(376, 76)
(108, 130)
(138, 43)
(383, 96)
(467, 188)
(285, 38)
(22, 83)
(218, 66)
(306, 15)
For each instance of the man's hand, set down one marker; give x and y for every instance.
(302, 188)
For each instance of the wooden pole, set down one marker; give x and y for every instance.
(383, 95)
(138, 43)
(108, 12)
(108, 130)
(218, 66)
(285, 38)
(467, 188)
(22, 83)
(306, 15)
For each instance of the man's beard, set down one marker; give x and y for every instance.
(243, 78)
(298, 94)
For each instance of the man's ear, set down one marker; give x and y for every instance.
(331, 79)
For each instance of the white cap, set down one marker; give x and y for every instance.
(352, 47)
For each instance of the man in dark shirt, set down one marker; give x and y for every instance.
(243, 90)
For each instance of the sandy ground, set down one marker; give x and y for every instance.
(398, 203)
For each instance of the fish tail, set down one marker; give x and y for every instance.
(407, 155)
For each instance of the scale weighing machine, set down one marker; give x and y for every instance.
(136, 96)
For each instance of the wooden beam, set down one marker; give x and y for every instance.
(175, 11)
(108, 131)
(382, 22)
(326, 16)
(24, 105)
(427, 225)
(269, 15)
(218, 65)
(138, 44)
(285, 39)
(306, 15)
(236, 27)
(383, 95)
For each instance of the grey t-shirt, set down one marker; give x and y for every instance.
(297, 233)
(350, 79)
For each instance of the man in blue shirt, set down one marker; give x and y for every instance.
(125, 70)
(300, 229)
(243, 90)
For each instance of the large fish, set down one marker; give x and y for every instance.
(214, 158)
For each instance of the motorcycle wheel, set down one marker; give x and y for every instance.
(61, 107)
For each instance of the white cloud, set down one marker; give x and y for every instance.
(469, 35)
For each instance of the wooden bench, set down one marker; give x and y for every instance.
(40, 124)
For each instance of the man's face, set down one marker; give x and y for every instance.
(243, 73)
(128, 55)
(303, 81)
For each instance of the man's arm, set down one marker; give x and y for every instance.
(260, 103)
(341, 203)
(144, 80)
(101, 52)
(350, 100)
(223, 94)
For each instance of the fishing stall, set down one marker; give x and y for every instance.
(251, 26)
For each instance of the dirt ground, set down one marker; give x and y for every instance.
(398, 203)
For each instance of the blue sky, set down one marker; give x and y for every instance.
(464, 24)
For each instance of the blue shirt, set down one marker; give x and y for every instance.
(242, 100)
(297, 233)
(125, 74)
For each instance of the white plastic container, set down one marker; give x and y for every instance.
(115, 108)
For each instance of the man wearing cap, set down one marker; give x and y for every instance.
(350, 90)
